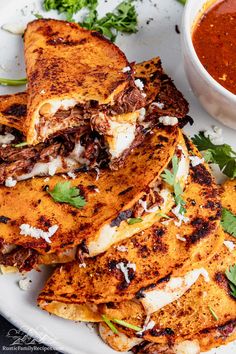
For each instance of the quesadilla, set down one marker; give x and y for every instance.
(203, 318)
(135, 270)
(112, 198)
(72, 150)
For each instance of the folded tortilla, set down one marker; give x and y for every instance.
(81, 147)
(111, 198)
(136, 270)
(77, 78)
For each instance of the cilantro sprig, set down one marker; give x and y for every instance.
(183, 2)
(171, 179)
(64, 193)
(69, 7)
(223, 155)
(231, 276)
(228, 222)
(123, 19)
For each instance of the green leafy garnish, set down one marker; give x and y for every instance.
(223, 155)
(163, 215)
(64, 193)
(69, 7)
(171, 178)
(24, 143)
(123, 19)
(183, 2)
(13, 82)
(231, 276)
(228, 222)
(133, 221)
(127, 325)
(110, 324)
(214, 315)
(37, 15)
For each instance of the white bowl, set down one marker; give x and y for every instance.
(217, 101)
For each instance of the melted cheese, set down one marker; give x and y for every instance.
(166, 293)
(123, 134)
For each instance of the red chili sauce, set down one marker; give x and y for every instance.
(214, 39)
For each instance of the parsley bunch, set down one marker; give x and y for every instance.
(171, 178)
(223, 155)
(231, 276)
(69, 7)
(228, 222)
(123, 19)
(64, 193)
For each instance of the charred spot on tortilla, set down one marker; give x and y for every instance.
(4, 219)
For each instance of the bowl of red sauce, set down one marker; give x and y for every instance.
(209, 49)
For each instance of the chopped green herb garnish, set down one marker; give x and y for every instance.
(24, 143)
(123, 19)
(133, 221)
(127, 325)
(12, 82)
(64, 193)
(171, 178)
(228, 222)
(110, 324)
(214, 315)
(223, 155)
(38, 15)
(69, 7)
(183, 2)
(163, 215)
(231, 276)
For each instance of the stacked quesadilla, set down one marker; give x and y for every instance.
(128, 200)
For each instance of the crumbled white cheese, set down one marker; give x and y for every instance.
(215, 135)
(167, 120)
(181, 238)
(54, 165)
(14, 27)
(122, 248)
(126, 69)
(124, 268)
(7, 138)
(4, 146)
(147, 326)
(144, 206)
(10, 182)
(139, 84)
(32, 231)
(159, 105)
(82, 265)
(47, 179)
(144, 95)
(71, 175)
(142, 114)
(195, 160)
(123, 134)
(42, 92)
(230, 245)
(50, 108)
(98, 173)
(205, 275)
(180, 217)
(24, 284)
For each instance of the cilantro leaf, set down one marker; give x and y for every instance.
(123, 19)
(69, 7)
(231, 276)
(64, 193)
(228, 222)
(133, 221)
(223, 155)
(183, 2)
(171, 179)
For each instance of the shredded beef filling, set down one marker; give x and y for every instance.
(22, 258)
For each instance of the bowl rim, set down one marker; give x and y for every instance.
(187, 39)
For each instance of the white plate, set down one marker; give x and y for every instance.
(157, 38)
